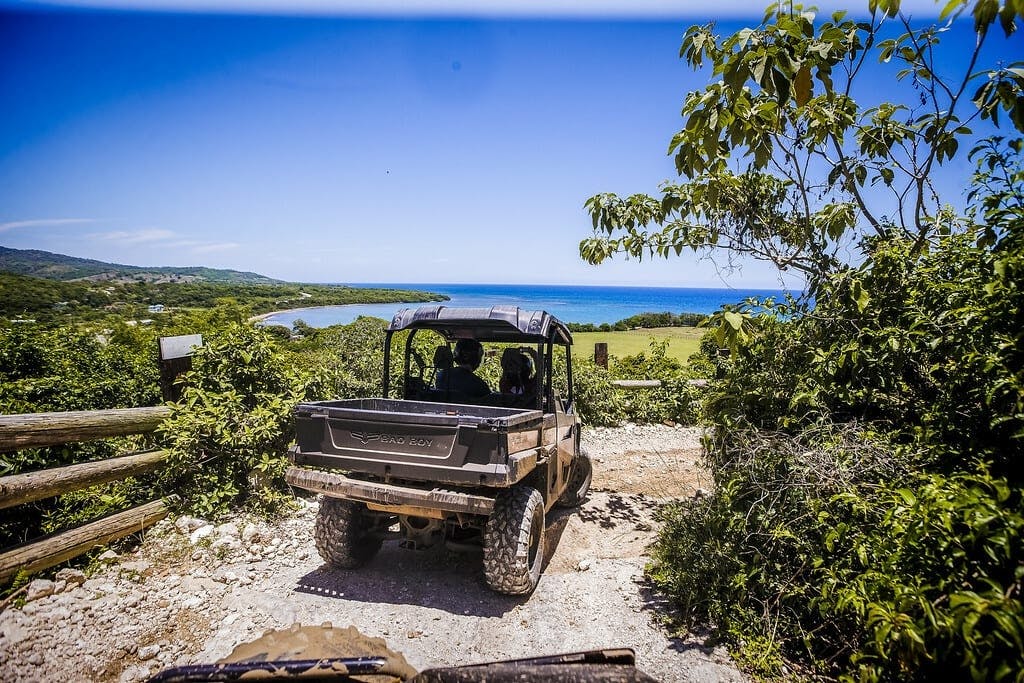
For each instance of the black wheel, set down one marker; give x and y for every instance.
(580, 475)
(514, 541)
(342, 533)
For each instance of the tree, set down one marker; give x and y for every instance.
(865, 445)
(785, 105)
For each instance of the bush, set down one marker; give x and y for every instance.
(866, 520)
(675, 400)
(228, 436)
(48, 369)
(598, 402)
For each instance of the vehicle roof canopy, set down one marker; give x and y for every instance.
(497, 323)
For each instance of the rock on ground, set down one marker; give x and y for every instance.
(193, 591)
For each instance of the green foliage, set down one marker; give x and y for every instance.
(782, 98)
(867, 517)
(71, 368)
(52, 301)
(45, 264)
(931, 574)
(675, 400)
(866, 521)
(598, 403)
(824, 548)
(352, 358)
(227, 438)
(645, 320)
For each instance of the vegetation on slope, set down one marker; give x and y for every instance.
(50, 300)
(45, 264)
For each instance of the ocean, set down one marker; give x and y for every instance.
(569, 303)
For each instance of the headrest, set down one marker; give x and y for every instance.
(443, 357)
(513, 362)
(469, 352)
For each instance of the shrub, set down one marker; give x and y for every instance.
(866, 519)
(227, 437)
(598, 403)
(675, 400)
(46, 369)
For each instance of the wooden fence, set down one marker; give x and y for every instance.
(48, 429)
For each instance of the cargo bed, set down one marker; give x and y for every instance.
(469, 445)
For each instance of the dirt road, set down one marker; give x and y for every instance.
(193, 591)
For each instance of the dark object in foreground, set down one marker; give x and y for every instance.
(326, 653)
(595, 666)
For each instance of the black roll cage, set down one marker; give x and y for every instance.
(497, 324)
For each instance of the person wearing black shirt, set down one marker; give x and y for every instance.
(461, 379)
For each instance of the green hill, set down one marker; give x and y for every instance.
(44, 264)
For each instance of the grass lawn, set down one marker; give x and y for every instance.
(683, 341)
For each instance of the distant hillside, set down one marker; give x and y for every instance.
(44, 264)
(48, 300)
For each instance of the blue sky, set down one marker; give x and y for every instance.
(440, 144)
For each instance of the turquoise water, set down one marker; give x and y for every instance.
(568, 303)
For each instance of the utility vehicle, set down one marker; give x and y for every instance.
(432, 464)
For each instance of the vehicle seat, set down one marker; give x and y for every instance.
(443, 361)
(437, 389)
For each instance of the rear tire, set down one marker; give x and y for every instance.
(580, 476)
(342, 533)
(514, 541)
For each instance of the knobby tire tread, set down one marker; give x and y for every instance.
(340, 534)
(578, 486)
(507, 541)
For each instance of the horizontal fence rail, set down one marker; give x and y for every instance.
(653, 383)
(33, 430)
(16, 489)
(56, 548)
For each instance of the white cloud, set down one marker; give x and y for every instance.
(162, 239)
(482, 8)
(218, 246)
(135, 236)
(44, 223)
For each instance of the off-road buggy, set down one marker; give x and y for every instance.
(432, 465)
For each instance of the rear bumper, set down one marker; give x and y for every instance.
(496, 475)
(340, 486)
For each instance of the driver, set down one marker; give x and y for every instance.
(469, 353)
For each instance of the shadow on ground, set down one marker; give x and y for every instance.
(666, 614)
(435, 578)
(620, 510)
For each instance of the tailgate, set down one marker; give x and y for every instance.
(411, 439)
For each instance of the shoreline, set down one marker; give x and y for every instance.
(263, 316)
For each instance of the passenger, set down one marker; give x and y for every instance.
(517, 372)
(443, 362)
(469, 353)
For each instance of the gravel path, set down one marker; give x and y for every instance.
(192, 592)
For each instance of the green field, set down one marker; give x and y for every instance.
(683, 341)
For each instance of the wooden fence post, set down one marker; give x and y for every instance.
(175, 359)
(601, 354)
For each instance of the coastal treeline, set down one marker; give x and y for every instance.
(643, 321)
(54, 301)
